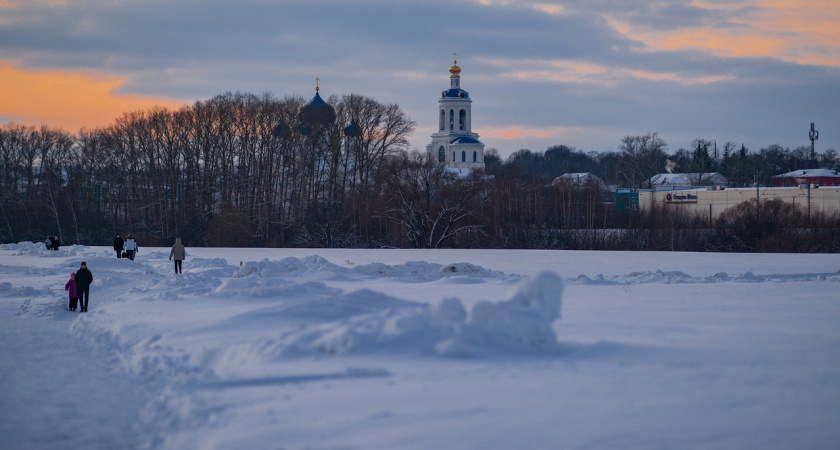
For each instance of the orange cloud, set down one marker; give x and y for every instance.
(562, 71)
(802, 31)
(71, 100)
(549, 8)
(13, 3)
(520, 132)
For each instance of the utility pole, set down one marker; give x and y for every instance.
(757, 199)
(577, 205)
(809, 203)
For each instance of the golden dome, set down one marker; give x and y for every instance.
(454, 69)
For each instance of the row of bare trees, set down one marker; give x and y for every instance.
(218, 172)
(247, 170)
(640, 157)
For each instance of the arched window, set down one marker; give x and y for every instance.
(441, 153)
(463, 156)
(442, 119)
(475, 156)
(451, 119)
(462, 119)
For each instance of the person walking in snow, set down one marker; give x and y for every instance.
(179, 253)
(70, 287)
(83, 280)
(118, 245)
(55, 242)
(130, 246)
(49, 242)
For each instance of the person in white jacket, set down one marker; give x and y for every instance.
(130, 246)
(179, 253)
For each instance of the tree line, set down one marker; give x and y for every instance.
(247, 170)
(639, 158)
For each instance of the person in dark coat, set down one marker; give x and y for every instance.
(118, 245)
(56, 243)
(179, 253)
(83, 280)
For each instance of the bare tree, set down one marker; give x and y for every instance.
(642, 157)
(429, 204)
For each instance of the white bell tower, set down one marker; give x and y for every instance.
(455, 144)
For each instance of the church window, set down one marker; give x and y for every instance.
(441, 154)
(463, 156)
(462, 119)
(451, 119)
(453, 156)
(475, 156)
(442, 119)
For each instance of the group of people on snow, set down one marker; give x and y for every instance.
(78, 287)
(52, 242)
(126, 248)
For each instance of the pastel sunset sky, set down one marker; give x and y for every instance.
(583, 73)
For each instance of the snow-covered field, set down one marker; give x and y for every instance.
(375, 349)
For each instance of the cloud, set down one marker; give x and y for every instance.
(518, 132)
(576, 72)
(801, 31)
(560, 71)
(70, 100)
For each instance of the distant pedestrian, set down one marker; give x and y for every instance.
(56, 242)
(83, 280)
(72, 292)
(130, 246)
(179, 253)
(49, 242)
(118, 245)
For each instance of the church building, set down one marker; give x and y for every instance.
(455, 144)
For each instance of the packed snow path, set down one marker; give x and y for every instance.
(59, 392)
(281, 348)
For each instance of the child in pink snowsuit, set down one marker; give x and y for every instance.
(70, 287)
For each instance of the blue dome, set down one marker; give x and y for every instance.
(455, 93)
(353, 129)
(465, 140)
(282, 130)
(317, 111)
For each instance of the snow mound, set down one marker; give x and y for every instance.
(39, 249)
(677, 277)
(422, 271)
(521, 324)
(9, 290)
(310, 319)
(290, 266)
(25, 248)
(204, 263)
(412, 271)
(370, 322)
